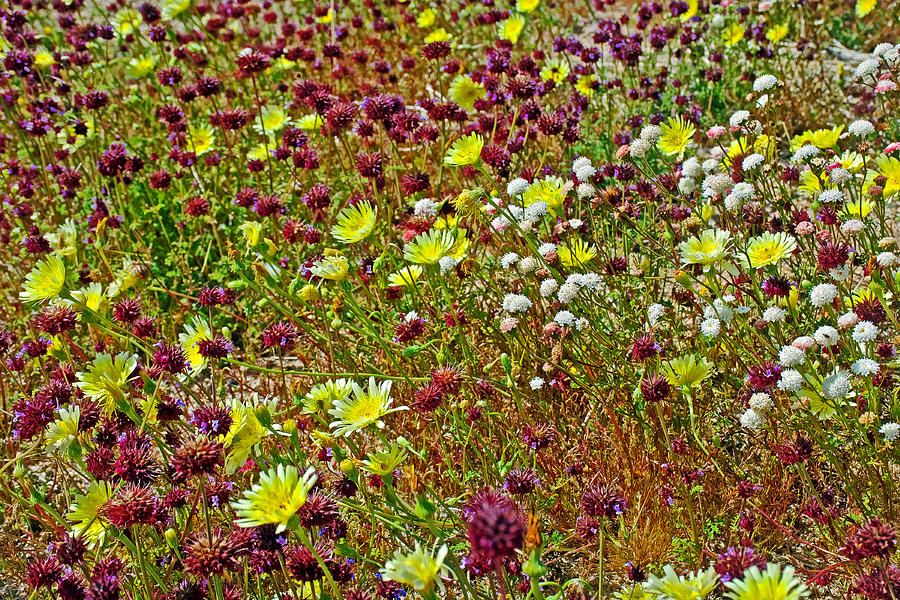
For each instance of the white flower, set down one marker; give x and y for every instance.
(791, 357)
(823, 294)
(425, 208)
(516, 303)
(528, 264)
(866, 67)
(548, 286)
(752, 419)
(547, 248)
(581, 324)
(890, 431)
(716, 184)
(804, 342)
(848, 319)
(826, 336)
(839, 176)
(639, 148)
(583, 168)
(841, 273)
(752, 161)
(534, 212)
(585, 190)
(865, 331)
(882, 48)
(567, 292)
(861, 128)
(761, 402)
(743, 191)
(516, 187)
(774, 314)
(575, 223)
(865, 367)
(805, 153)
(710, 327)
(650, 133)
(836, 387)
(564, 318)
(852, 227)
(655, 313)
(887, 259)
(536, 383)
(509, 259)
(829, 196)
(764, 82)
(447, 263)
(710, 166)
(687, 186)
(691, 168)
(738, 118)
(791, 380)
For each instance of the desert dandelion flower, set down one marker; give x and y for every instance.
(710, 247)
(675, 135)
(364, 407)
(106, 378)
(465, 151)
(430, 247)
(687, 370)
(576, 253)
(768, 249)
(405, 277)
(334, 267)
(774, 583)
(45, 281)
(277, 497)
(86, 511)
(418, 569)
(466, 92)
(354, 223)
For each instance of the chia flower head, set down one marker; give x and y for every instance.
(872, 540)
(495, 531)
(320, 510)
(734, 561)
(282, 335)
(169, 358)
(521, 481)
(448, 378)
(69, 550)
(127, 311)
(776, 286)
(831, 256)
(216, 553)
(644, 347)
(43, 572)
(132, 505)
(56, 319)
(218, 347)
(197, 456)
(764, 376)
(538, 436)
(602, 501)
(212, 420)
(655, 388)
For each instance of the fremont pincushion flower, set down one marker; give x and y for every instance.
(276, 498)
(364, 407)
(45, 281)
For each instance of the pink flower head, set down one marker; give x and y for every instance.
(715, 131)
(764, 6)
(885, 86)
(622, 151)
(804, 342)
(804, 228)
(892, 147)
(508, 324)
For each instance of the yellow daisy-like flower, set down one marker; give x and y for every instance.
(576, 253)
(64, 430)
(326, 18)
(467, 204)
(405, 277)
(890, 168)
(363, 407)
(417, 569)
(687, 370)
(465, 92)
(384, 462)
(426, 18)
(675, 135)
(43, 59)
(710, 247)
(173, 8)
(250, 231)
(429, 247)
(438, 35)
(527, 6)
(774, 583)
(465, 151)
(202, 139)
(106, 378)
(86, 512)
(733, 34)
(776, 33)
(280, 493)
(321, 398)
(511, 28)
(91, 297)
(691, 12)
(333, 267)
(45, 281)
(549, 190)
(585, 85)
(311, 122)
(272, 119)
(139, 68)
(354, 223)
(245, 433)
(195, 332)
(556, 69)
(827, 138)
(768, 249)
(852, 161)
(858, 209)
(126, 21)
(864, 7)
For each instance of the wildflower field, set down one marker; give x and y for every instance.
(475, 300)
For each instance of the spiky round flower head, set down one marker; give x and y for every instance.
(419, 569)
(213, 420)
(132, 505)
(768, 249)
(216, 553)
(430, 247)
(106, 379)
(355, 223)
(43, 572)
(775, 583)
(69, 550)
(734, 561)
(276, 498)
(495, 531)
(197, 456)
(45, 281)
(675, 135)
(465, 151)
(602, 501)
(874, 539)
(319, 510)
(169, 358)
(655, 388)
(363, 407)
(519, 482)
(687, 371)
(57, 318)
(710, 247)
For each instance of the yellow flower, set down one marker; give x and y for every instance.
(864, 7)
(364, 407)
(202, 139)
(527, 6)
(354, 223)
(675, 135)
(511, 28)
(327, 17)
(106, 378)
(776, 33)
(195, 332)
(550, 190)
(321, 398)
(333, 267)
(418, 569)
(555, 69)
(127, 20)
(311, 122)
(438, 35)
(768, 249)
(45, 281)
(585, 85)
(43, 59)
(576, 253)
(73, 135)
(250, 231)
(827, 138)
(245, 432)
(774, 583)
(384, 462)
(852, 161)
(273, 119)
(711, 246)
(405, 277)
(91, 297)
(465, 92)
(429, 247)
(140, 67)
(465, 151)
(691, 11)
(86, 511)
(890, 168)
(733, 34)
(426, 18)
(63, 431)
(173, 8)
(858, 209)
(280, 493)
(687, 370)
